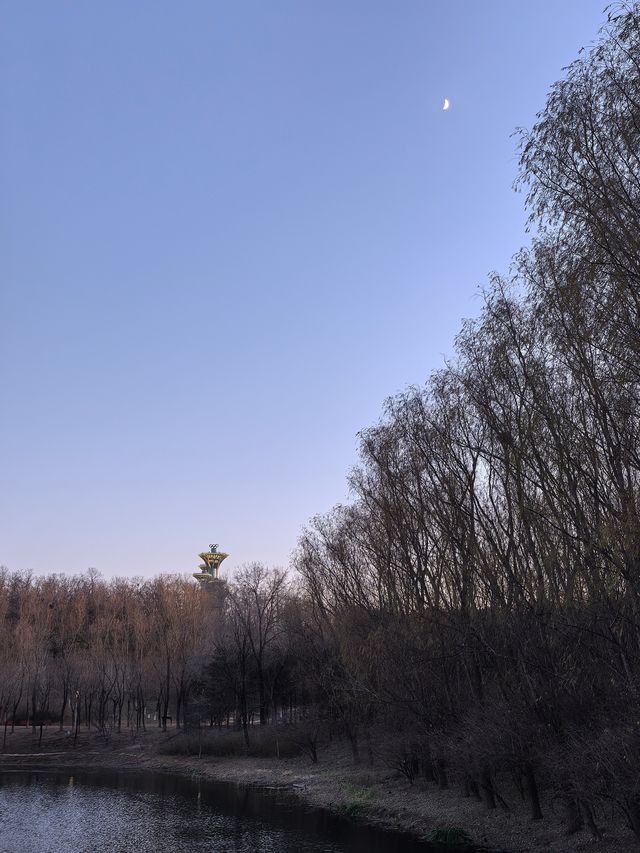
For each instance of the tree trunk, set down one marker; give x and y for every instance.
(178, 707)
(486, 785)
(14, 712)
(633, 813)
(587, 814)
(264, 711)
(573, 815)
(166, 693)
(531, 788)
(65, 698)
(245, 729)
(441, 770)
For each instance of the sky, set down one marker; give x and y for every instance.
(228, 231)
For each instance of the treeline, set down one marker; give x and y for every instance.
(107, 655)
(472, 616)
(87, 654)
(79, 649)
(483, 588)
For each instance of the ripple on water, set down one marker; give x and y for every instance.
(91, 813)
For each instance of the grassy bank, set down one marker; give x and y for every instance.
(369, 792)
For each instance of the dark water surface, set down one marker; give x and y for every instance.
(87, 812)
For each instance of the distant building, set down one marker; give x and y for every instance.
(210, 566)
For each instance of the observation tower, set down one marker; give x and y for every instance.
(210, 566)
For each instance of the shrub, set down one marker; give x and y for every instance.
(263, 743)
(451, 836)
(356, 805)
(351, 810)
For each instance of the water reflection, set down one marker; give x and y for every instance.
(152, 813)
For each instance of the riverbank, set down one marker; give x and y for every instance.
(372, 793)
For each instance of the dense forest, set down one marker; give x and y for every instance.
(474, 611)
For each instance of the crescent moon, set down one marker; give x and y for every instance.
(446, 104)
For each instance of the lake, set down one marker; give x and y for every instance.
(52, 812)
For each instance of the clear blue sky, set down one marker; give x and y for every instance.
(227, 232)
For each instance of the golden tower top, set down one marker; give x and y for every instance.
(210, 566)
